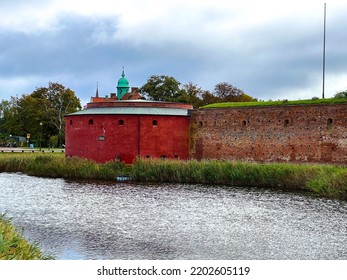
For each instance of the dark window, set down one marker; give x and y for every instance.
(244, 123)
(330, 123)
(121, 122)
(286, 122)
(90, 122)
(70, 122)
(154, 122)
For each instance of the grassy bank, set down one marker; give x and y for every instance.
(58, 166)
(323, 180)
(13, 246)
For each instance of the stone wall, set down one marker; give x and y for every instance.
(301, 133)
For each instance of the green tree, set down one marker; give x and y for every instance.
(4, 111)
(40, 113)
(4, 114)
(162, 88)
(29, 115)
(20, 116)
(10, 117)
(57, 101)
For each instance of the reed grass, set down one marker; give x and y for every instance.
(14, 247)
(323, 180)
(58, 166)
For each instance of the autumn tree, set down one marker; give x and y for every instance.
(227, 92)
(191, 93)
(208, 97)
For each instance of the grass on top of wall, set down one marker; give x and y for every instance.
(277, 103)
(13, 246)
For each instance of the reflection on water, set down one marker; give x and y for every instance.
(86, 220)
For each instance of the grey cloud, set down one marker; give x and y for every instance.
(262, 60)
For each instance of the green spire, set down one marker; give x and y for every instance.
(122, 86)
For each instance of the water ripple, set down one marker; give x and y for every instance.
(109, 220)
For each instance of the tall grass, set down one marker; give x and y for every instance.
(13, 246)
(324, 180)
(57, 165)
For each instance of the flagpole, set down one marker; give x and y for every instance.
(324, 37)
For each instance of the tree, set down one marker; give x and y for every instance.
(10, 123)
(162, 88)
(4, 114)
(227, 92)
(246, 98)
(22, 115)
(4, 110)
(40, 113)
(57, 101)
(341, 94)
(191, 94)
(209, 98)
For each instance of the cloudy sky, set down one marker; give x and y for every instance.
(270, 49)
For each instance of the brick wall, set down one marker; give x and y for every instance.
(108, 137)
(305, 133)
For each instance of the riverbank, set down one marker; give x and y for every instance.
(323, 180)
(13, 246)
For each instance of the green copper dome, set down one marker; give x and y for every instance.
(122, 86)
(123, 82)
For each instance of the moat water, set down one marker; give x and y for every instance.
(98, 220)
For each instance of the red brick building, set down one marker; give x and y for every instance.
(114, 128)
(124, 127)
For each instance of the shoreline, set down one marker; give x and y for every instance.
(324, 180)
(14, 246)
